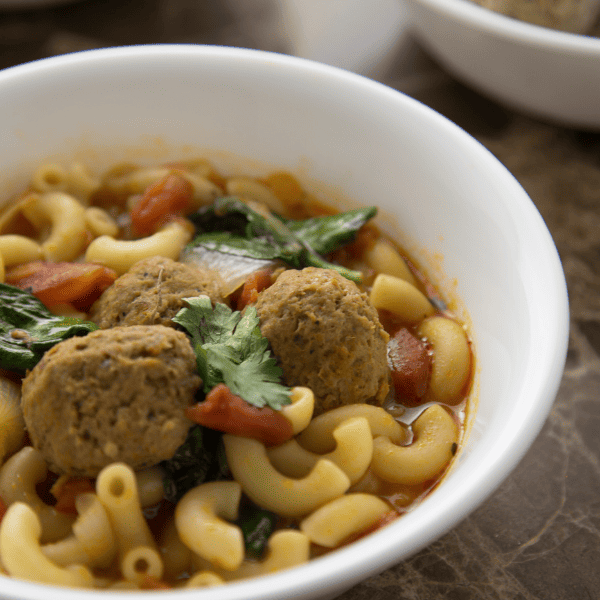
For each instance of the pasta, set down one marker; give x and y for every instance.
(23, 557)
(121, 255)
(452, 357)
(68, 232)
(337, 520)
(250, 465)
(12, 424)
(18, 478)
(353, 452)
(92, 542)
(275, 464)
(436, 435)
(401, 298)
(116, 487)
(201, 528)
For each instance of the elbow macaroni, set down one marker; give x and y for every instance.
(199, 521)
(435, 436)
(68, 231)
(22, 556)
(332, 480)
(250, 465)
(318, 436)
(116, 487)
(343, 517)
(353, 452)
(451, 358)
(18, 478)
(121, 255)
(92, 542)
(12, 424)
(400, 298)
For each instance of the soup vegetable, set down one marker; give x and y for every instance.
(207, 378)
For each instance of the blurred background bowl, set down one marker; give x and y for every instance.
(453, 206)
(549, 74)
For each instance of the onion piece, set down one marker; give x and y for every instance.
(232, 270)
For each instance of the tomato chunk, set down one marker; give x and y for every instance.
(224, 411)
(410, 363)
(160, 203)
(255, 283)
(77, 284)
(66, 491)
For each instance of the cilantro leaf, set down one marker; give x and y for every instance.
(230, 349)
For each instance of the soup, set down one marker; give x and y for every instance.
(210, 377)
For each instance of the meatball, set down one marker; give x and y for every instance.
(152, 292)
(327, 336)
(114, 395)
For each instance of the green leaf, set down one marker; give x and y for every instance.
(230, 349)
(198, 459)
(28, 329)
(257, 525)
(231, 227)
(329, 233)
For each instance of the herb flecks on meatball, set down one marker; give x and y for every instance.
(327, 336)
(114, 395)
(152, 293)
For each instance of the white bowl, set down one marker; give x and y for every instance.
(454, 206)
(547, 73)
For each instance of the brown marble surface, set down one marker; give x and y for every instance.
(538, 536)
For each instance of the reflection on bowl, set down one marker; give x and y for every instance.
(544, 72)
(347, 139)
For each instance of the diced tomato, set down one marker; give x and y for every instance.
(76, 284)
(160, 203)
(410, 363)
(255, 283)
(66, 491)
(224, 411)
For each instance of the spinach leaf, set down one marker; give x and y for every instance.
(200, 458)
(230, 349)
(257, 525)
(231, 227)
(28, 329)
(332, 232)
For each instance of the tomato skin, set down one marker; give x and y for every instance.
(77, 284)
(410, 363)
(255, 283)
(161, 201)
(67, 491)
(224, 411)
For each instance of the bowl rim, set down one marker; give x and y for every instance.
(527, 34)
(317, 574)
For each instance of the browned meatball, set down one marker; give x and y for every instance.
(327, 336)
(152, 292)
(114, 395)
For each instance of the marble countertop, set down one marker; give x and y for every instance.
(538, 536)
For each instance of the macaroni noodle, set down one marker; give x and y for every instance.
(250, 465)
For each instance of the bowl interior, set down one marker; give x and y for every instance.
(454, 207)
